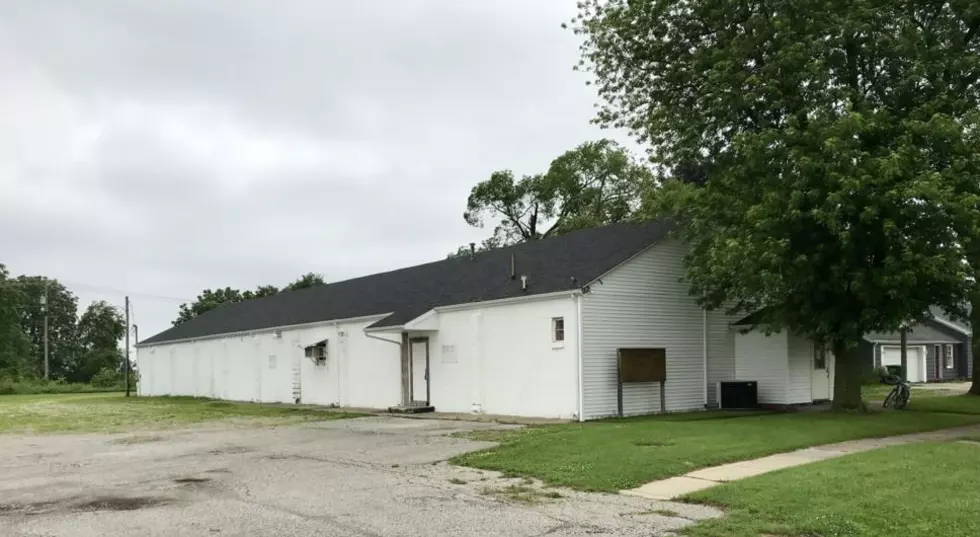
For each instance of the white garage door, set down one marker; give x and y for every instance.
(892, 355)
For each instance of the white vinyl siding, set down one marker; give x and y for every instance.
(721, 351)
(763, 359)
(800, 373)
(643, 303)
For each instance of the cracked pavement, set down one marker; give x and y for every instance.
(377, 476)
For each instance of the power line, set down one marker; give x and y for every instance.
(122, 292)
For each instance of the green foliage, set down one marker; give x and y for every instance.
(817, 146)
(210, 299)
(62, 309)
(594, 184)
(108, 377)
(310, 279)
(260, 291)
(15, 346)
(206, 301)
(38, 386)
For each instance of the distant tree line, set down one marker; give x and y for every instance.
(80, 348)
(209, 299)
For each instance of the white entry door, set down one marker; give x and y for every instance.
(420, 371)
(892, 355)
(820, 381)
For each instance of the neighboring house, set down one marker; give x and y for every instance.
(529, 330)
(937, 349)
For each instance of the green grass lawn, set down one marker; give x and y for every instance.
(929, 400)
(914, 490)
(115, 413)
(620, 454)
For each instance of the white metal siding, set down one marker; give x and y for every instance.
(643, 303)
(502, 360)
(763, 359)
(359, 371)
(799, 381)
(721, 351)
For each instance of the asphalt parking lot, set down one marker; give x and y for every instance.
(376, 476)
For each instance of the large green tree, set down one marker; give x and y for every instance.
(100, 329)
(824, 138)
(15, 346)
(62, 309)
(594, 184)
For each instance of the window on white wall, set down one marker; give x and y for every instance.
(948, 357)
(558, 329)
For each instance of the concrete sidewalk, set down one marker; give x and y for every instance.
(675, 487)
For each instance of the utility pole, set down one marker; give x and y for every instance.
(127, 346)
(136, 340)
(903, 335)
(44, 308)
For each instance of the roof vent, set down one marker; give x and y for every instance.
(523, 282)
(513, 267)
(472, 250)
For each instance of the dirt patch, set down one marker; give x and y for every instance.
(192, 480)
(230, 450)
(21, 509)
(138, 439)
(119, 503)
(651, 443)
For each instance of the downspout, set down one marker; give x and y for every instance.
(336, 330)
(704, 346)
(578, 344)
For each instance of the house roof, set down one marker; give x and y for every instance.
(565, 262)
(925, 331)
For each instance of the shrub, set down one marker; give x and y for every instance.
(107, 378)
(10, 386)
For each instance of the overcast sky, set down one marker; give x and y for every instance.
(159, 148)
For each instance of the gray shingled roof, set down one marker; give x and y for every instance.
(565, 262)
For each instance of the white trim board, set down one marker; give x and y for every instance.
(376, 317)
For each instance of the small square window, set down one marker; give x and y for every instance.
(948, 357)
(819, 357)
(558, 329)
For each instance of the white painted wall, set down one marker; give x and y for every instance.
(721, 350)
(360, 372)
(799, 381)
(500, 359)
(644, 303)
(763, 359)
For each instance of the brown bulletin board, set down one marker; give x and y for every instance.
(642, 365)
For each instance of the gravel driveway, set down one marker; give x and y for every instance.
(363, 477)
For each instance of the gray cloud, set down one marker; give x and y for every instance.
(163, 147)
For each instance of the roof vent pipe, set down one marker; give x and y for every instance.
(513, 267)
(472, 250)
(523, 283)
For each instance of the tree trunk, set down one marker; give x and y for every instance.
(974, 340)
(847, 378)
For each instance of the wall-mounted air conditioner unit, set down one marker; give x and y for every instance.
(317, 353)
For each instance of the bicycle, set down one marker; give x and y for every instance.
(899, 397)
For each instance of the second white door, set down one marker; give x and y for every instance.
(420, 371)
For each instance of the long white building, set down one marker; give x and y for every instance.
(529, 330)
